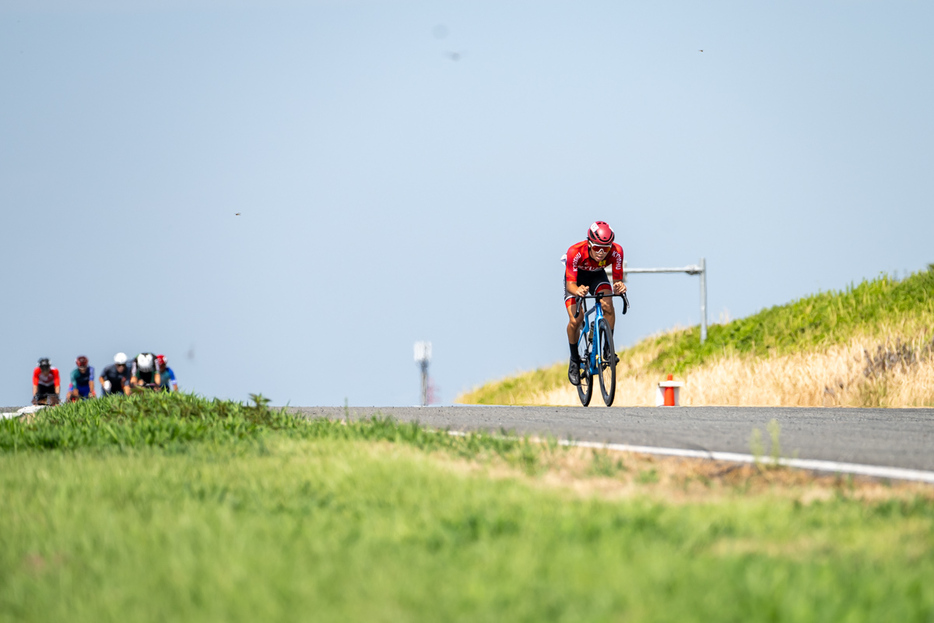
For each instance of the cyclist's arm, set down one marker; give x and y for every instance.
(618, 286)
(57, 381)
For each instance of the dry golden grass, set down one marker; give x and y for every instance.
(610, 474)
(893, 371)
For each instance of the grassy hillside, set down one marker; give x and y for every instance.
(891, 321)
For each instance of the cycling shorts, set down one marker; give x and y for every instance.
(83, 390)
(45, 390)
(596, 280)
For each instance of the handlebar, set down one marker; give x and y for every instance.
(601, 296)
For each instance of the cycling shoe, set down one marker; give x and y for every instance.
(574, 373)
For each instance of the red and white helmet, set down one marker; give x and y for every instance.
(601, 234)
(81, 361)
(161, 361)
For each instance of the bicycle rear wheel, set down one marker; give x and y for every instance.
(585, 388)
(606, 364)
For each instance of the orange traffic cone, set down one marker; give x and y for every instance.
(667, 394)
(670, 393)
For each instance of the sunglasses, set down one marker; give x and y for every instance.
(599, 248)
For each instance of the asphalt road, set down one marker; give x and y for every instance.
(883, 437)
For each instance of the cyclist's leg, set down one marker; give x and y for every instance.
(575, 320)
(602, 286)
(44, 392)
(609, 312)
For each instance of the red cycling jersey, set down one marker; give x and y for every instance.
(578, 258)
(45, 378)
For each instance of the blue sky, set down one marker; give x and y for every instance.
(413, 171)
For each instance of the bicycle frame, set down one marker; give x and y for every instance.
(591, 327)
(591, 344)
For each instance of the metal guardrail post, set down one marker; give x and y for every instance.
(703, 300)
(697, 269)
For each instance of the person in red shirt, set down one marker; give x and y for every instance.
(585, 273)
(46, 384)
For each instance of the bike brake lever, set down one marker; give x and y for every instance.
(625, 303)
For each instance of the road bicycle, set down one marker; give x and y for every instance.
(596, 351)
(46, 400)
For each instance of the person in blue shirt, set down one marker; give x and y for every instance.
(166, 376)
(82, 380)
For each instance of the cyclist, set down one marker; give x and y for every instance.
(46, 383)
(116, 378)
(167, 382)
(143, 373)
(585, 273)
(82, 380)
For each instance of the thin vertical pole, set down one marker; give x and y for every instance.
(703, 300)
(424, 365)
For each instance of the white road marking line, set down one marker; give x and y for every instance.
(897, 473)
(875, 471)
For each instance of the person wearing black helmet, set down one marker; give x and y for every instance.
(46, 384)
(82, 380)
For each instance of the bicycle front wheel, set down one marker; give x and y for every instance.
(585, 388)
(606, 364)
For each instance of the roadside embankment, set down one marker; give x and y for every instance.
(870, 345)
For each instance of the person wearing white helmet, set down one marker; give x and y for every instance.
(143, 372)
(116, 377)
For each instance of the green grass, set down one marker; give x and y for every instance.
(175, 508)
(176, 422)
(811, 324)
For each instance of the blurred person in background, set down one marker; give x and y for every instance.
(143, 372)
(116, 377)
(82, 380)
(46, 383)
(166, 376)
